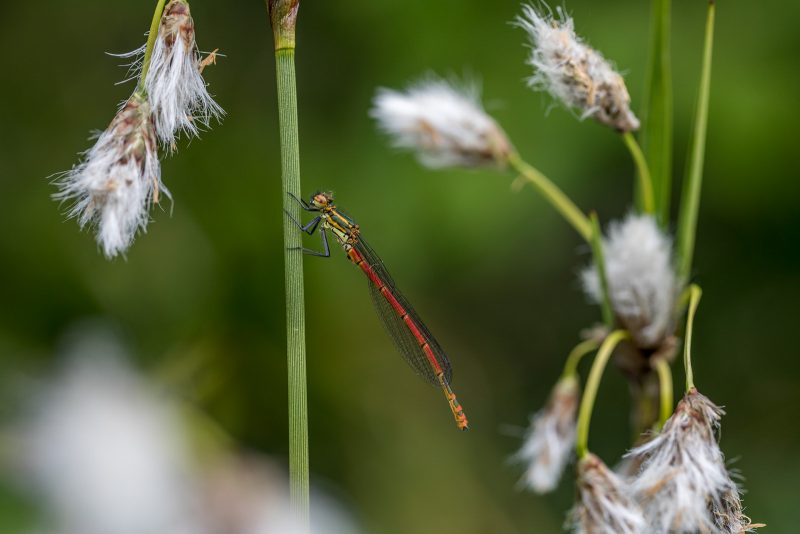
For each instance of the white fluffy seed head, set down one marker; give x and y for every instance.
(683, 484)
(443, 123)
(573, 72)
(604, 505)
(641, 280)
(106, 453)
(119, 179)
(175, 85)
(550, 439)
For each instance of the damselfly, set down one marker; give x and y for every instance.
(413, 339)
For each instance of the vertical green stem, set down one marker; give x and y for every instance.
(694, 299)
(656, 133)
(151, 42)
(690, 197)
(553, 195)
(664, 389)
(646, 198)
(600, 266)
(576, 354)
(592, 384)
(293, 259)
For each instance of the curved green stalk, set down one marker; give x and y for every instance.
(694, 299)
(600, 265)
(283, 16)
(690, 197)
(656, 132)
(646, 197)
(592, 384)
(576, 355)
(151, 42)
(664, 389)
(553, 195)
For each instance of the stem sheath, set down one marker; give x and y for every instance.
(590, 391)
(553, 195)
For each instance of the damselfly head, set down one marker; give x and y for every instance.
(321, 200)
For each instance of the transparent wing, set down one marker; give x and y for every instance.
(395, 326)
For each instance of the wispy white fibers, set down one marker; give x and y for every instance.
(443, 123)
(174, 83)
(641, 279)
(550, 440)
(604, 505)
(107, 453)
(573, 72)
(119, 179)
(683, 484)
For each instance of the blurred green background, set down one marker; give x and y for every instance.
(491, 271)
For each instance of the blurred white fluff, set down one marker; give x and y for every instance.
(573, 72)
(106, 454)
(118, 180)
(604, 505)
(641, 279)
(247, 494)
(683, 484)
(445, 124)
(551, 438)
(174, 83)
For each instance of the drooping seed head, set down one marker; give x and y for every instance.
(573, 72)
(683, 484)
(641, 279)
(443, 123)
(118, 180)
(175, 86)
(550, 439)
(604, 505)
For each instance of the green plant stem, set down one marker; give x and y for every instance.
(592, 384)
(656, 132)
(600, 266)
(576, 355)
(646, 198)
(694, 300)
(690, 196)
(664, 389)
(295, 308)
(151, 42)
(553, 195)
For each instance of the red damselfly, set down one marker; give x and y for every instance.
(412, 338)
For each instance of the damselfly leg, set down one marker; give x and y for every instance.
(303, 204)
(309, 229)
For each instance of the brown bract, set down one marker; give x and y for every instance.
(177, 20)
(283, 17)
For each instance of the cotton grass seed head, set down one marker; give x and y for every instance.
(573, 72)
(120, 177)
(604, 505)
(175, 85)
(640, 276)
(683, 484)
(443, 123)
(551, 438)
